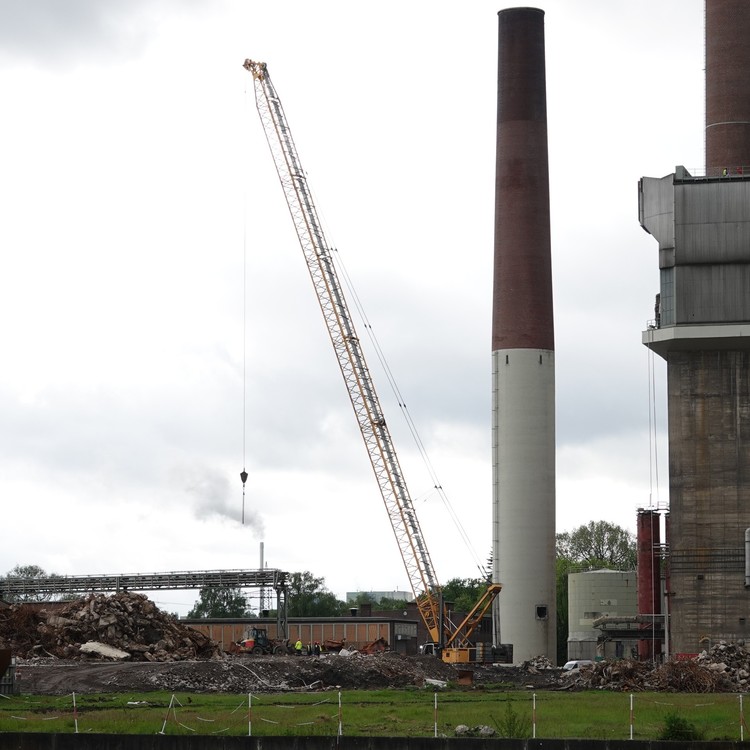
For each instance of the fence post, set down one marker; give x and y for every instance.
(631, 716)
(169, 708)
(533, 716)
(742, 721)
(435, 714)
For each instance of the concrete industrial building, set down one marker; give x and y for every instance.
(702, 330)
(523, 356)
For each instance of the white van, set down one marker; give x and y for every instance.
(577, 664)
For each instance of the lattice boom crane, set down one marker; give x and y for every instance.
(453, 641)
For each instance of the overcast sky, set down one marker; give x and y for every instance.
(150, 268)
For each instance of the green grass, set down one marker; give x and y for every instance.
(397, 713)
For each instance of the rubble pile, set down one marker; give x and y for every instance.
(635, 676)
(138, 647)
(537, 664)
(730, 660)
(688, 677)
(462, 730)
(125, 622)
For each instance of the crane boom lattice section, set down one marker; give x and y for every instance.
(346, 345)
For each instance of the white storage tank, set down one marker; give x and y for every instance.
(594, 594)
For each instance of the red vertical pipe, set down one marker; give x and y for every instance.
(727, 90)
(667, 585)
(649, 579)
(522, 291)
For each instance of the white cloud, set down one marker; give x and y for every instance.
(137, 184)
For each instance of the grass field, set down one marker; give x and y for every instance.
(397, 713)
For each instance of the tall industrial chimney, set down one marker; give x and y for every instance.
(523, 357)
(727, 99)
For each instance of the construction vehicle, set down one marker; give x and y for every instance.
(257, 642)
(375, 647)
(452, 641)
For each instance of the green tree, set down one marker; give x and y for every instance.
(220, 601)
(464, 593)
(364, 597)
(598, 544)
(27, 572)
(386, 603)
(307, 596)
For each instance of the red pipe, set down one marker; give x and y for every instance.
(649, 579)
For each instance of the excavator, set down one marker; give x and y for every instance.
(451, 641)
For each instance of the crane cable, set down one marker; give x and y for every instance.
(437, 486)
(653, 471)
(653, 458)
(243, 473)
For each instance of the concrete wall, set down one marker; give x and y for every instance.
(402, 628)
(523, 450)
(400, 635)
(31, 741)
(709, 466)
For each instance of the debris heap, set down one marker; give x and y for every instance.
(536, 664)
(636, 676)
(126, 622)
(730, 660)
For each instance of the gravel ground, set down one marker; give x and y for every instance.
(267, 674)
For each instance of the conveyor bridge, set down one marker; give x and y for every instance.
(267, 578)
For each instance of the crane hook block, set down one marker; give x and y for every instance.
(243, 477)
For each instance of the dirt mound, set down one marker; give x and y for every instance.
(129, 623)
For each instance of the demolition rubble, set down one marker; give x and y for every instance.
(123, 642)
(120, 626)
(724, 668)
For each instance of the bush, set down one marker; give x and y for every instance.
(679, 729)
(511, 725)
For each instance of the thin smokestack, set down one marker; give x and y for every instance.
(727, 89)
(523, 357)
